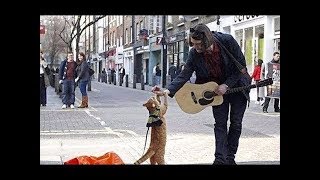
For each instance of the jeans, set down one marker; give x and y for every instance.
(68, 87)
(227, 141)
(83, 87)
(275, 105)
(158, 80)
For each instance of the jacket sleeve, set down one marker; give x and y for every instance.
(235, 50)
(84, 67)
(183, 77)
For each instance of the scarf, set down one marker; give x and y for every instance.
(213, 63)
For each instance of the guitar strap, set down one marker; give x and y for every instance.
(241, 68)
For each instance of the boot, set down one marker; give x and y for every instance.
(84, 102)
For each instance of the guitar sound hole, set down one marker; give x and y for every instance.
(208, 95)
(194, 98)
(204, 102)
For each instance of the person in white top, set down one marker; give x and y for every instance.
(44, 80)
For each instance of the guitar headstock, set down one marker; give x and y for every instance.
(265, 82)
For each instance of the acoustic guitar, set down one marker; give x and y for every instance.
(193, 98)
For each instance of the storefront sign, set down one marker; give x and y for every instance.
(242, 18)
(177, 37)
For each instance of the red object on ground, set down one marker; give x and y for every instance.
(109, 158)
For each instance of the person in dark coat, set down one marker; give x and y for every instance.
(172, 71)
(212, 63)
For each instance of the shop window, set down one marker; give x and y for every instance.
(277, 25)
(239, 35)
(248, 45)
(259, 36)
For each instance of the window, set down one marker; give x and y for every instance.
(117, 21)
(176, 47)
(127, 36)
(239, 37)
(158, 21)
(137, 31)
(151, 19)
(181, 46)
(277, 25)
(114, 38)
(111, 38)
(170, 49)
(169, 19)
(130, 37)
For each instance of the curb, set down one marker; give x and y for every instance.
(50, 160)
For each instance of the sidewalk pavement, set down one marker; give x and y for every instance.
(181, 148)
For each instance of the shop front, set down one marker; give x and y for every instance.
(257, 35)
(128, 62)
(177, 49)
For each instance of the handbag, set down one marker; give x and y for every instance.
(91, 71)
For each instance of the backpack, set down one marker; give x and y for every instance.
(91, 71)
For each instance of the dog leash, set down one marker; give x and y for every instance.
(145, 143)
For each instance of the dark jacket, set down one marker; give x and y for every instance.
(195, 62)
(173, 71)
(123, 72)
(83, 71)
(62, 69)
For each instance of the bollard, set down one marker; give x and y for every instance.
(99, 77)
(168, 81)
(89, 84)
(142, 82)
(134, 81)
(127, 83)
(56, 87)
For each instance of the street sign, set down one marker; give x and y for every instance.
(158, 41)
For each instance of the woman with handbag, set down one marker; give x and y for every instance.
(83, 77)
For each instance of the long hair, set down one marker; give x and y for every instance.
(83, 55)
(260, 61)
(203, 33)
(212, 56)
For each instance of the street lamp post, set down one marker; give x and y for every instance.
(164, 52)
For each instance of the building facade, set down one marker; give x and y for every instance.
(257, 35)
(138, 43)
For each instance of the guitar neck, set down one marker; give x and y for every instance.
(238, 89)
